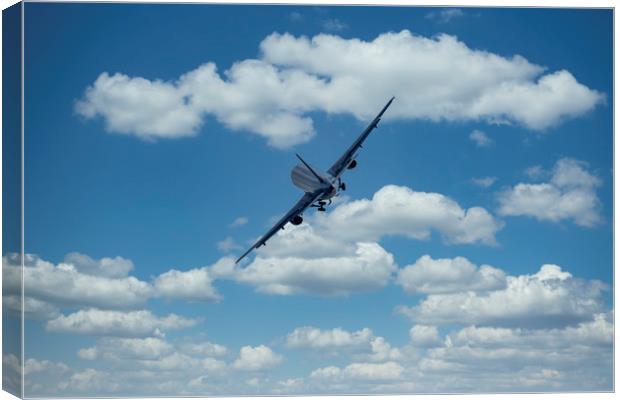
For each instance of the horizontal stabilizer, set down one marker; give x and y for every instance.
(304, 179)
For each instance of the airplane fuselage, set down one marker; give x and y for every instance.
(330, 191)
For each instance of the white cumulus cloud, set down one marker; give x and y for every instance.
(446, 275)
(148, 348)
(387, 371)
(570, 194)
(435, 78)
(424, 335)
(374, 372)
(550, 297)
(337, 252)
(398, 210)
(88, 381)
(363, 344)
(138, 106)
(308, 336)
(88, 353)
(194, 285)
(117, 323)
(79, 280)
(370, 268)
(117, 267)
(207, 349)
(256, 358)
(495, 359)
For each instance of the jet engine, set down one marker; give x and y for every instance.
(296, 220)
(352, 164)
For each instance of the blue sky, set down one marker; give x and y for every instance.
(140, 155)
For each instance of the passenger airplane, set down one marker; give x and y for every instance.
(320, 187)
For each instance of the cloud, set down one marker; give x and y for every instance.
(37, 373)
(256, 358)
(117, 323)
(207, 349)
(361, 371)
(334, 25)
(89, 353)
(148, 348)
(485, 359)
(308, 240)
(535, 172)
(445, 15)
(240, 221)
(33, 308)
(374, 372)
(336, 253)
(89, 381)
(437, 78)
(154, 109)
(153, 365)
(176, 361)
(424, 336)
(549, 298)
(290, 385)
(398, 210)
(228, 245)
(138, 106)
(480, 138)
(596, 332)
(326, 373)
(86, 283)
(433, 78)
(117, 267)
(368, 269)
(311, 337)
(447, 275)
(295, 16)
(491, 359)
(81, 281)
(12, 376)
(485, 182)
(33, 366)
(192, 285)
(362, 343)
(469, 358)
(569, 194)
(382, 350)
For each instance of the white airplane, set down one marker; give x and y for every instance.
(320, 187)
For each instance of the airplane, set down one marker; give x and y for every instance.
(318, 186)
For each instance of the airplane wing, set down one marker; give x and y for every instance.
(303, 203)
(345, 159)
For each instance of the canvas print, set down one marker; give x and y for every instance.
(225, 200)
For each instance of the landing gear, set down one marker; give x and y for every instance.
(343, 186)
(320, 205)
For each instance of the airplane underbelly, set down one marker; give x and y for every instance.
(329, 194)
(304, 179)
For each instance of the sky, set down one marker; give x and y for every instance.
(471, 251)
